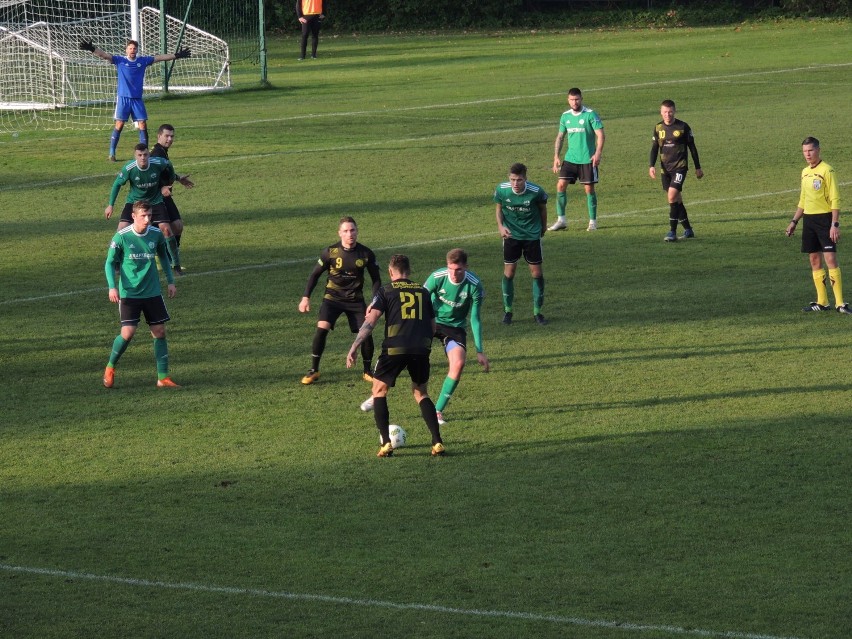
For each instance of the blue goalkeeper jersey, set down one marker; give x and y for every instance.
(131, 75)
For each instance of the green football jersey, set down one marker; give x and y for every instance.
(454, 302)
(144, 183)
(521, 212)
(580, 129)
(135, 256)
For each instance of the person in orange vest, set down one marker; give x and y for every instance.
(310, 15)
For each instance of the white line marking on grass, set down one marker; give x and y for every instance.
(246, 267)
(454, 239)
(361, 145)
(450, 105)
(378, 603)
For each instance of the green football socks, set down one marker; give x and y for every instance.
(161, 354)
(538, 294)
(119, 345)
(592, 205)
(446, 392)
(508, 293)
(561, 203)
(174, 252)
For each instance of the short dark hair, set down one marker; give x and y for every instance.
(810, 140)
(165, 127)
(518, 169)
(400, 264)
(668, 103)
(345, 219)
(457, 256)
(141, 147)
(575, 91)
(141, 205)
(132, 42)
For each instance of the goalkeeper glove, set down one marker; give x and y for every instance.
(183, 53)
(86, 45)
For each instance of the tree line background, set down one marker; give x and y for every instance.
(412, 15)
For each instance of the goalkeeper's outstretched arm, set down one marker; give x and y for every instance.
(166, 57)
(86, 45)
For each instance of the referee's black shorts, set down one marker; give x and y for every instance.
(816, 233)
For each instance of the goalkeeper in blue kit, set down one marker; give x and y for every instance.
(131, 82)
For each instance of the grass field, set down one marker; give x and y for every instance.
(670, 457)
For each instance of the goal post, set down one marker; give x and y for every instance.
(48, 82)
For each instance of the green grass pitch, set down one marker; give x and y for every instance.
(670, 457)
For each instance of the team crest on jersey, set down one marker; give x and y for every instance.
(676, 134)
(152, 245)
(817, 184)
(463, 295)
(581, 121)
(359, 263)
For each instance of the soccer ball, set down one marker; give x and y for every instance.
(398, 436)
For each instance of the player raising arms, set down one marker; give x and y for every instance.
(345, 262)
(456, 293)
(672, 138)
(409, 326)
(131, 83)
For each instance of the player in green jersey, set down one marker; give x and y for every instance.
(585, 134)
(409, 327)
(456, 294)
(819, 204)
(133, 252)
(521, 222)
(345, 262)
(147, 176)
(672, 138)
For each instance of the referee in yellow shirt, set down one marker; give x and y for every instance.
(819, 204)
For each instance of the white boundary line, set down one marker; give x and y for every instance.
(378, 603)
(618, 87)
(456, 238)
(426, 107)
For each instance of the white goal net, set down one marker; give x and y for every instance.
(46, 81)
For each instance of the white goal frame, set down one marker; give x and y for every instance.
(46, 81)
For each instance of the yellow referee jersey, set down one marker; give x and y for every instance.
(819, 190)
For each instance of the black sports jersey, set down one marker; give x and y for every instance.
(407, 307)
(345, 272)
(159, 151)
(671, 142)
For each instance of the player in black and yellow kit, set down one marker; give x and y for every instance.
(672, 138)
(165, 139)
(819, 204)
(409, 327)
(345, 262)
